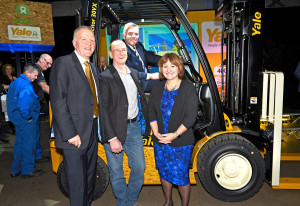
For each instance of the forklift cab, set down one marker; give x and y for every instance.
(170, 16)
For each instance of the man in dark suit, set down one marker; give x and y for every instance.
(138, 58)
(120, 95)
(103, 63)
(74, 97)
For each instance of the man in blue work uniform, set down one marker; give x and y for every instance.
(23, 111)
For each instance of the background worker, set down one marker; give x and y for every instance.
(103, 63)
(138, 58)
(23, 110)
(40, 86)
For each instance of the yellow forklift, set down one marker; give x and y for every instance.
(238, 139)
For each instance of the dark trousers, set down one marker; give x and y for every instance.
(80, 166)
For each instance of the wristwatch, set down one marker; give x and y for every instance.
(177, 134)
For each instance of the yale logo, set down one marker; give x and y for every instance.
(256, 24)
(211, 36)
(214, 35)
(26, 33)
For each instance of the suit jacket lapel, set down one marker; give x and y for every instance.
(96, 75)
(79, 69)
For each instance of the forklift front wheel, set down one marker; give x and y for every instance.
(230, 168)
(102, 179)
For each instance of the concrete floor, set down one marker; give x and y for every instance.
(43, 190)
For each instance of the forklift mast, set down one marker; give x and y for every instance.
(242, 36)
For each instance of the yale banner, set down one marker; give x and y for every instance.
(26, 26)
(25, 33)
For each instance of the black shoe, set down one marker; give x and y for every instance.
(42, 159)
(170, 204)
(34, 173)
(15, 175)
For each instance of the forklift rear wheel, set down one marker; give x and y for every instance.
(230, 168)
(102, 179)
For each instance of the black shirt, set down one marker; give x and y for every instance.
(36, 87)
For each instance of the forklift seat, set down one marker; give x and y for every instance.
(206, 112)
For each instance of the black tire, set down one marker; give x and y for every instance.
(230, 168)
(102, 179)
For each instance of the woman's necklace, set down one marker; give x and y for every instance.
(166, 87)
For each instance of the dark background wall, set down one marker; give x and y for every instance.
(281, 24)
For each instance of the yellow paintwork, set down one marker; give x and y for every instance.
(56, 156)
(288, 183)
(290, 157)
(151, 174)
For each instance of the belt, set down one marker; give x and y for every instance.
(131, 120)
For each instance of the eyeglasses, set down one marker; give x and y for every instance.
(48, 63)
(119, 51)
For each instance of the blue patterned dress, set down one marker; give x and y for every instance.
(172, 163)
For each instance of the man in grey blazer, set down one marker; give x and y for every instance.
(121, 94)
(75, 98)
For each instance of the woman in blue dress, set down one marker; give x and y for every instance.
(172, 108)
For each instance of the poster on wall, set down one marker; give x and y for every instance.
(212, 45)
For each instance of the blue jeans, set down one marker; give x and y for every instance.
(133, 147)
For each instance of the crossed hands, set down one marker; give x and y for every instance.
(165, 138)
